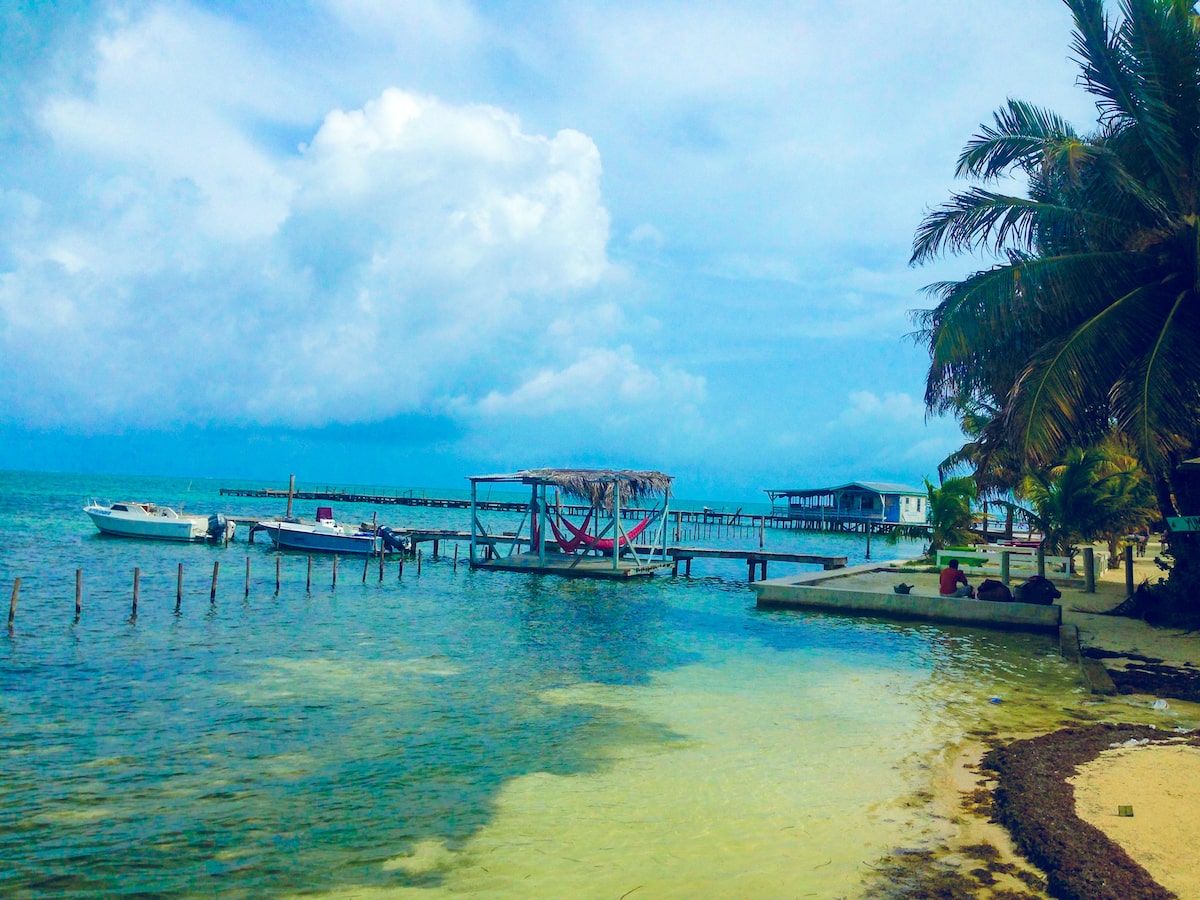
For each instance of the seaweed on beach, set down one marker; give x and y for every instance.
(1036, 804)
(925, 875)
(1148, 675)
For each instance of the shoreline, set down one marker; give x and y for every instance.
(1046, 803)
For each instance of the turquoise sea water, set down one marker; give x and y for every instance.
(456, 732)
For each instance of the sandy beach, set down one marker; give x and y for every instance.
(1159, 781)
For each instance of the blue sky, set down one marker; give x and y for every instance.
(405, 242)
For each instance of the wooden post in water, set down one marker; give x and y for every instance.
(1129, 570)
(137, 580)
(418, 560)
(381, 563)
(762, 528)
(179, 587)
(366, 565)
(1089, 573)
(868, 529)
(308, 583)
(334, 572)
(247, 576)
(212, 594)
(400, 567)
(78, 593)
(12, 604)
(291, 490)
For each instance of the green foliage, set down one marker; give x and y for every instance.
(950, 513)
(1090, 319)
(1098, 493)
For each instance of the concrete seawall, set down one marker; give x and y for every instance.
(858, 591)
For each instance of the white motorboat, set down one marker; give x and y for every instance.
(322, 536)
(160, 523)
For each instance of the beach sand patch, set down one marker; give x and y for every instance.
(1162, 784)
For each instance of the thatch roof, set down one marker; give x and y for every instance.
(595, 485)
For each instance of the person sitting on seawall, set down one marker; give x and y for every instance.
(953, 582)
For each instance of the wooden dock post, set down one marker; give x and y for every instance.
(247, 576)
(456, 557)
(278, 566)
(381, 564)
(762, 527)
(12, 604)
(1089, 574)
(78, 593)
(308, 583)
(868, 529)
(1129, 570)
(179, 587)
(291, 491)
(400, 567)
(334, 587)
(212, 594)
(137, 581)
(366, 565)
(418, 560)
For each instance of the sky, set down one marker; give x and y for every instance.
(402, 243)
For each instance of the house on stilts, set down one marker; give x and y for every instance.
(860, 506)
(600, 545)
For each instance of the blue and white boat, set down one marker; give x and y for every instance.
(322, 536)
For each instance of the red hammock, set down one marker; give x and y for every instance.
(572, 544)
(603, 544)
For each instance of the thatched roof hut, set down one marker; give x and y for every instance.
(594, 485)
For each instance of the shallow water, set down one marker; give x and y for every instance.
(456, 731)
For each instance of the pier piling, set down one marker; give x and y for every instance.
(308, 582)
(334, 587)
(247, 576)
(137, 581)
(12, 604)
(212, 594)
(179, 587)
(78, 593)
(278, 567)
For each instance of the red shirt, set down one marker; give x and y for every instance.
(951, 579)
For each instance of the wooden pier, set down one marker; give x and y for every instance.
(756, 560)
(684, 523)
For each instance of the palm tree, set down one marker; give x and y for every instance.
(950, 514)
(1091, 317)
(1100, 492)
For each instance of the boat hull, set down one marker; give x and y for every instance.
(291, 537)
(153, 528)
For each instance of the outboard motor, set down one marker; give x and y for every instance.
(393, 540)
(218, 527)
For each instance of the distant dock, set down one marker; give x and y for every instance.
(701, 522)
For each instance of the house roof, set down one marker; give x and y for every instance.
(878, 487)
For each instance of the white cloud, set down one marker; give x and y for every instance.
(171, 95)
(868, 408)
(600, 381)
(400, 253)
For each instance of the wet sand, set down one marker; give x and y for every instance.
(1160, 781)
